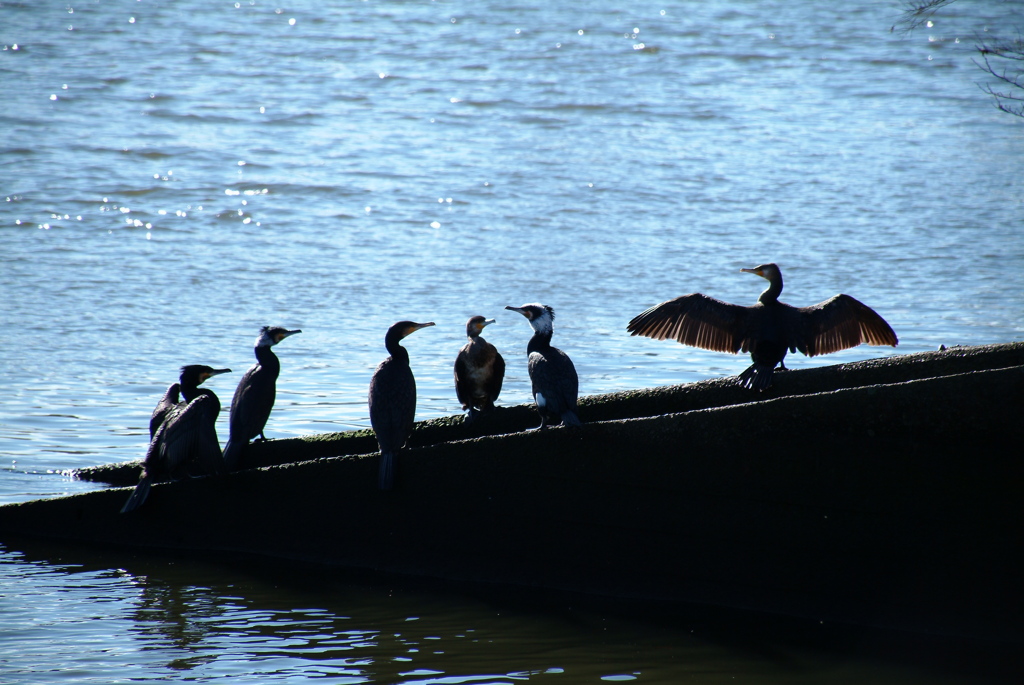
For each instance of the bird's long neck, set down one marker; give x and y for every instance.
(189, 390)
(771, 295)
(397, 352)
(268, 360)
(541, 340)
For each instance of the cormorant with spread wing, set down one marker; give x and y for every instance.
(766, 330)
(184, 434)
(479, 370)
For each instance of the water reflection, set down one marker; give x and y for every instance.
(133, 616)
(174, 617)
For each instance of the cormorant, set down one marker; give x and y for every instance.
(254, 396)
(552, 374)
(393, 400)
(185, 434)
(192, 376)
(766, 330)
(479, 370)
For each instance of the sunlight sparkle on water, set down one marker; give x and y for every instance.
(682, 166)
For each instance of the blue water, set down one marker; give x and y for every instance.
(175, 175)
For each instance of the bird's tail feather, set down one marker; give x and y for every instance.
(213, 462)
(757, 376)
(386, 473)
(138, 495)
(569, 418)
(233, 454)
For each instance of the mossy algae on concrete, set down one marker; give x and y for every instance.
(620, 405)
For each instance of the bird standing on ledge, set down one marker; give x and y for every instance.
(254, 396)
(552, 374)
(479, 371)
(393, 401)
(185, 433)
(766, 330)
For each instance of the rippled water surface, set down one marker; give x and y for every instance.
(174, 175)
(81, 619)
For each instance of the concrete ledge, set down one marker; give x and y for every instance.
(895, 505)
(621, 405)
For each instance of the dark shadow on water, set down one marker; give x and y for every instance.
(358, 623)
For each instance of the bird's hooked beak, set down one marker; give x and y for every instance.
(412, 328)
(203, 377)
(756, 270)
(284, 334)
(486, 322)
(521, 310)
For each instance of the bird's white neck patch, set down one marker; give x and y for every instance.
(542, 323)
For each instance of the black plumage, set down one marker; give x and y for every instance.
(254, 397)
(553, 377)
(479, 370)
(392, 401)
(767, 330)
(184, 440)
(167, 404)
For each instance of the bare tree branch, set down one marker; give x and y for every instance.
(1000, 58)
(917, 13)
(995, 55)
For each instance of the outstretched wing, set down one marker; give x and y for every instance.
(839, 323)
(696, 320)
